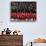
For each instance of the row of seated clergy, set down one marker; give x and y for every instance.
(16, 32)
(7, 32)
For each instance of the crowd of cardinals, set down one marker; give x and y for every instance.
(23, 16)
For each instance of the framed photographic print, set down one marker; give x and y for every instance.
(23, 11)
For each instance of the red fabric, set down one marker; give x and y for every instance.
(18, 15)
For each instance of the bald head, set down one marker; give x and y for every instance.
(39, 40)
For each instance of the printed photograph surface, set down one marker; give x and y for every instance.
(23, 11)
